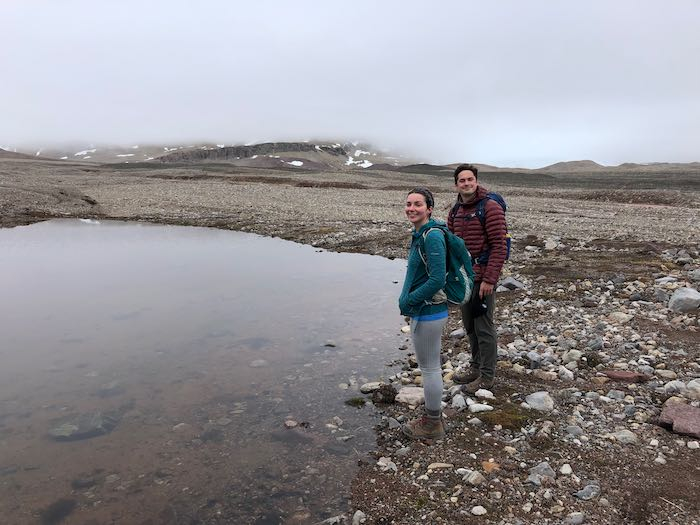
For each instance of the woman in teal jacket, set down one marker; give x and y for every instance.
(424, 301)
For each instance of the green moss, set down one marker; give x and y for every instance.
(421, 502)
(593, 359)
(357, 402)
(509, 416)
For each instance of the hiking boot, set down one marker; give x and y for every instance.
(424, 427)
(479, 383)
(466, 376)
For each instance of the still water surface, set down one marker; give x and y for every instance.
(199, 344)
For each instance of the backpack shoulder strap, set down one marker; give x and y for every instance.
(480, 212)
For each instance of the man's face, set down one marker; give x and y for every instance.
(466, 184)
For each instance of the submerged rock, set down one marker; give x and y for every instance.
(84, 426)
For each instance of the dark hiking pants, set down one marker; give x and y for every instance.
(482, 333)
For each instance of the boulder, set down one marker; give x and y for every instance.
(684, 300)
(681, 419)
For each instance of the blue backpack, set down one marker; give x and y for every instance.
(459, 280)
(480, 214)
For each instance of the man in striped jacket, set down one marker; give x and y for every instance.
(487, 246)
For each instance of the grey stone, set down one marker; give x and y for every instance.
(457, 334)
(541, 401)
(540, 473)
(694, 275)
(596, 344)
(660, 296)
(675, 387)
(474, 478)
(574, 430)
(512, 283)
(575, 518)
(458, 402)
(616, 394)
(588, 492)
(684, 300)
(625, 436)
(393, 423)
(693, 389)
(572, 356)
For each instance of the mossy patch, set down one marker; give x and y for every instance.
(508, 415)
(592, 360)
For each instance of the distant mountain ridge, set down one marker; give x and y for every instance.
(4, 154)
(309, 155)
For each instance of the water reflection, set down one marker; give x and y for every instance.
(195, 346)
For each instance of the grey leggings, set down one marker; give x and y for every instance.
(426, 337)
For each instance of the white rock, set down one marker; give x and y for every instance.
(386, 464)
(258, 363)
(358, 517)
(478, 510)
(411, 395)
(435, 466)
(368, 388)
(694, 445)
(482, 393)
(566, 469)
(406, 329)
(479, 407)
(565, 374)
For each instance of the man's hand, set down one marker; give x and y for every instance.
(485, 289)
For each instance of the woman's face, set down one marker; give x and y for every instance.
(417, 210)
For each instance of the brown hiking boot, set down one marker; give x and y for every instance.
(479, 383)
(467, 376)
(424, 427)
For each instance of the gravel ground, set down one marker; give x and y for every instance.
(597, 265)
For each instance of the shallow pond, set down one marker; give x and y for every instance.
(196, 345)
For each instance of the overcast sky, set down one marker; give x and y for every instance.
(517, 82)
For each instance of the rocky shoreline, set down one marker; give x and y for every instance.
(587, 330)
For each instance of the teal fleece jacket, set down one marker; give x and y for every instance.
(422, 292)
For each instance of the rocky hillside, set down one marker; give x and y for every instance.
(4, 154)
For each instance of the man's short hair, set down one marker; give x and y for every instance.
(466, 167)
